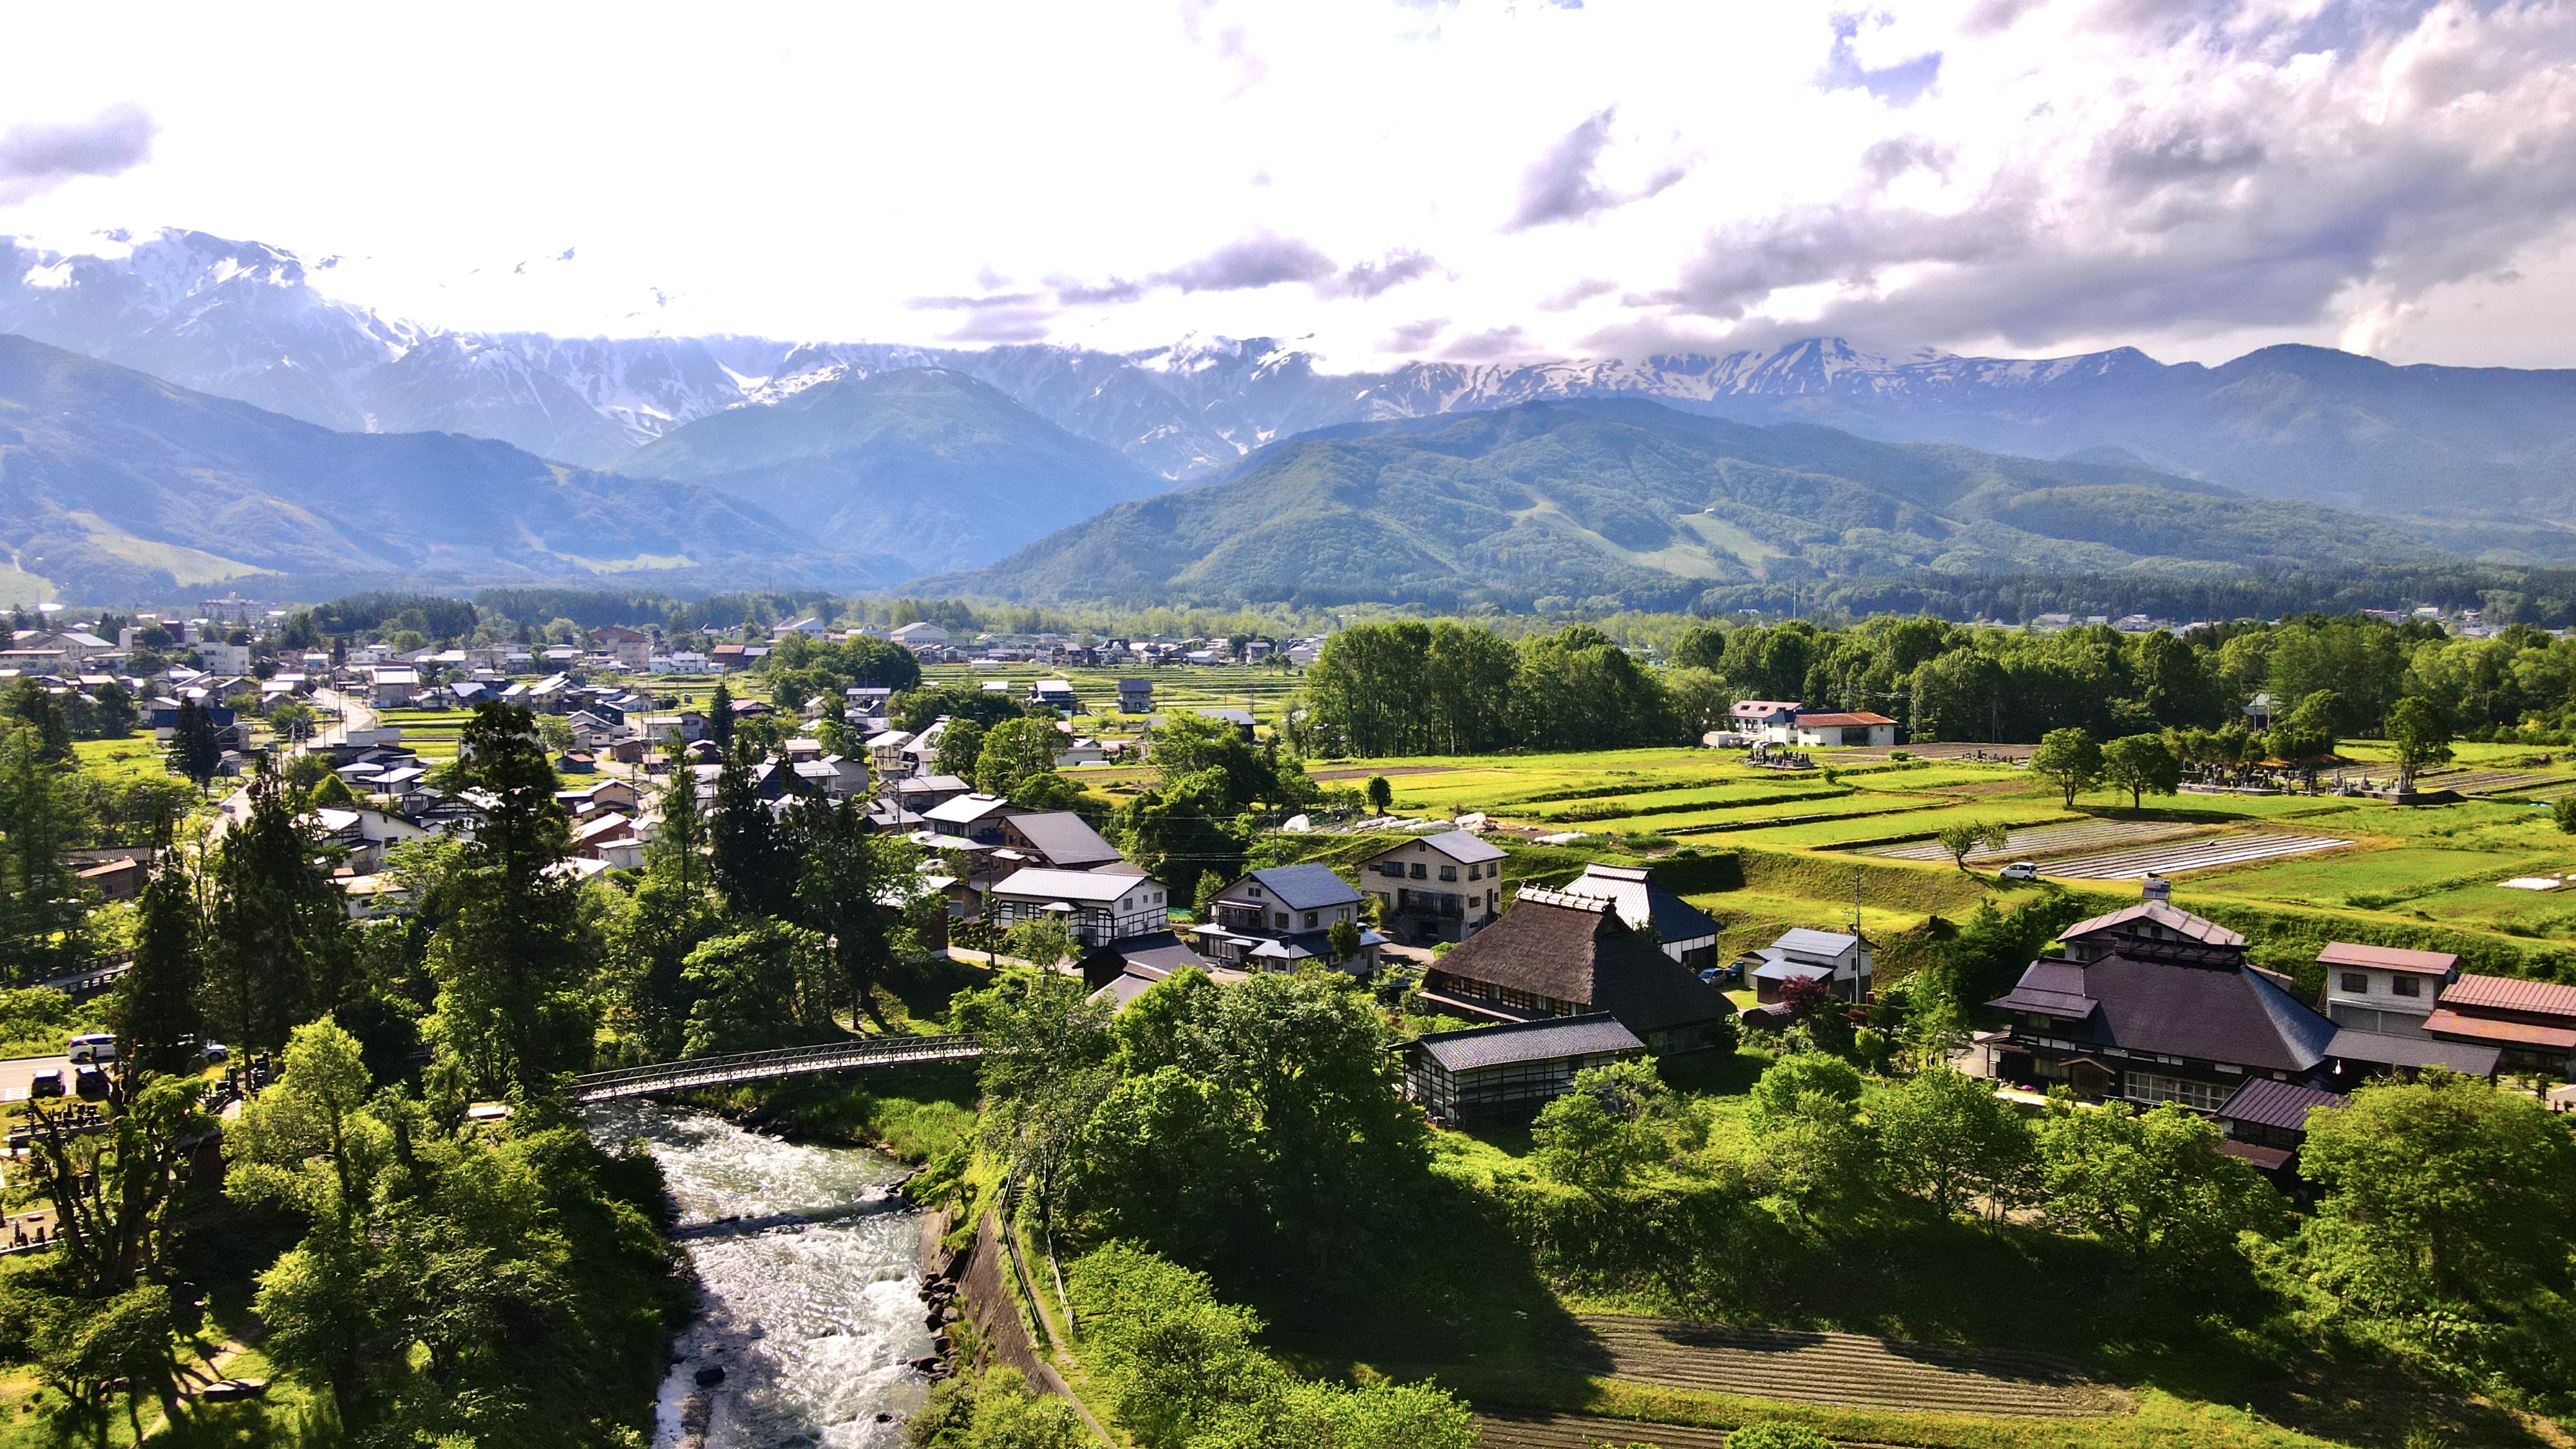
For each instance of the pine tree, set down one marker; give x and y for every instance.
(838, 876)
(194, 750)
(754, 864)
(40, 904)
(277, 932)
(720, 718)
(678, 848)
(155, 1010)
(510, 958)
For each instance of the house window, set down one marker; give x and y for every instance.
(1417, 870)
(1310, 920)
(1253, 891)
(2356, 983)
(2406, 986)
(1281, 920)
(1475, 872)
(1448, 872)
(2154, 1087)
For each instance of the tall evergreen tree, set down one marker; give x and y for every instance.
(837, 882)
(277, 937)
(36, 706)
(40, 902)
(720, 717)
(194, 750)
(753, 860)
(156, 1009)
(678, 847)
(510, 958)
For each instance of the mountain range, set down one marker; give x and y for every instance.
(2465, 446)
(864, 464)
(115, 485)
(1628, 501)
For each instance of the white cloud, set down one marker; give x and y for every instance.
(2194, 176)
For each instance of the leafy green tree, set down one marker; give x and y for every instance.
(112, 714)
(2153, 1184)
(1016, 760)
(766, 984)
(1813, 1147)
(2140, 764)
(1345, 940)
(961, 746)
(29, 703)
(1701, 700)
(1960, 839)
(512, 954)
(155, 1011)
(2562, 812)
(113, 1192)
(1577, 689)
(915, 710)
(2421, 732)
(2442, 1193)
(1044, 942)
(1408, 688)
(1616, 1121)
(94, 1353)
(1044, 1073)
(1946, 1138)
(842, 869)
(2307, 734)
(2070, 759)
(1381, 795)
(993, 1410)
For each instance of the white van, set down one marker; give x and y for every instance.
(97, 1046)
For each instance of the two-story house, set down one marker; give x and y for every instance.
(1438, 888)
(1280, 919)
(1764, 719)
(972, 820)
(1840, 959)
(1097, 906)
(2154, 1004)
(631, 648)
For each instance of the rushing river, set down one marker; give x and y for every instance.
(811, 1321)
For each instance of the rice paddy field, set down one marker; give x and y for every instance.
(2427, 873)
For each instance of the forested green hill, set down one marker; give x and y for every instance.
(1639, 503)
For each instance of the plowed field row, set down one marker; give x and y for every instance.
(1501, 1429)
(1838, 1368)
(2193, 855)
(2040, 841)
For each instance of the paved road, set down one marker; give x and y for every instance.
(15, 1072)
(355, 714)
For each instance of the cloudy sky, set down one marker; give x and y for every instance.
(1482, 179)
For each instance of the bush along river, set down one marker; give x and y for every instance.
(809, 1265)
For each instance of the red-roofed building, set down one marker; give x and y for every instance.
(2531, 1024)
(1829, 731)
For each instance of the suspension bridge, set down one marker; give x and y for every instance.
(725, 1071)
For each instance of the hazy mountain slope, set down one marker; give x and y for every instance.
(117, 485)
(2467, 445)
(1646, 503)
(925, 464)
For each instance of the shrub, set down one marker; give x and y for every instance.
(1777, 1434)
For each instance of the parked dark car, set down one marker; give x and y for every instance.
(45, 1084)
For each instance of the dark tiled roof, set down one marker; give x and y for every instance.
(1575, 948)
(2050, 988)
(1158, 954)
(2211, 1014)
(2386, 1049)
(1065, 839)
(1307, 887)
(2172, 918)
(1641, 900)
(1530, 1041)
(2285, 1105)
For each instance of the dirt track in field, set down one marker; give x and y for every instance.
(1834, 1368)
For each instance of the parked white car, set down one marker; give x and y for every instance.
(96, 1046)
(2020, 870)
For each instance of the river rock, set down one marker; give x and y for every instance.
(709, 1377)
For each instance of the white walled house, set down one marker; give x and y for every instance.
(1438, 888)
